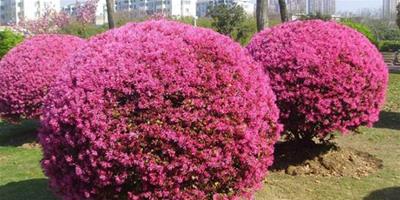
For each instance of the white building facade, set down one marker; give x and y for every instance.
(326, 7)
(14, 11)
(181, 8)
(294, 7)
(389, 8)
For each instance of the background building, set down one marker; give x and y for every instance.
(13, 11)
(325, 7)
(168, 7)
(389, 8)
(294, 7)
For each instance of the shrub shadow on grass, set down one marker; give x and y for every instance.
(395, 71)
(295, 153)
(389, 120)
(18, 134)
(392, 193)
(33, 189)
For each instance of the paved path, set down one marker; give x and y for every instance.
(394, 68)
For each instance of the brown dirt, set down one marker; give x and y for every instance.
(32, 145)
(323, 160)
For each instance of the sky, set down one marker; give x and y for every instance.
(356, 5)
(341, 5)
(63, 2)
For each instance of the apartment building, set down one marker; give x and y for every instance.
(13, 11)
(167, 7)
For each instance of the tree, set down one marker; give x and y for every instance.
(245, 31)
(50, 21)
(283, 10)
(226, 18)
(110, 13)
(317, 15)
(261, 14)
(86, 12)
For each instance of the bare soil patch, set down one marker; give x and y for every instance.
(31, 145)
(313, 159)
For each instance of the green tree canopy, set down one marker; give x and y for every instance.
(226, 18)
(8, 40)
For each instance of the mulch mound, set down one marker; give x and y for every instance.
(323, 160)
(31, 145)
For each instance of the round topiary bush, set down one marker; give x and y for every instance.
(27, 71)
(365, 30)
(159, 110)
(327, 77)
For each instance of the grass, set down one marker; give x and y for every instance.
(382, 141)
(21, 177)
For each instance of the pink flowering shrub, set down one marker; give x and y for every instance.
(50, 21)
(27, 71)
(327, 77)
(86, 11)
(159, 110)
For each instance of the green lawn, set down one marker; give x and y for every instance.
(21, 177)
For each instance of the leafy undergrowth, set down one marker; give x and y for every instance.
(21, 177)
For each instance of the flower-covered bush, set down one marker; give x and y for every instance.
(327, 77)
(159, 110)
(27, 71)
(365, 30)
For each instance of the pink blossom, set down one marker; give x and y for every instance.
(327, 77)
(86, 11)
(27, 71)
(172, 112)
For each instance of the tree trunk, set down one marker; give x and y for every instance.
(261, 14)
(110, 13)
(398, 15)
(283, 11)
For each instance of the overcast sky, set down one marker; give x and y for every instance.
(63, 2)
(355, 5)
(342, 5)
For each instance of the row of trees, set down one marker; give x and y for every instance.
(52, 21)
(261, 13)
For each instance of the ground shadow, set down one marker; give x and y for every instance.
(33, 189)
(288, 154)
(391, 71)
(392, 193)
(18, 134)
(389, 120)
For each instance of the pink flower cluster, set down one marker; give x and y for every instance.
(159, 110)
(327, 77)
(86, 11)
(50, 21)
(27, 71)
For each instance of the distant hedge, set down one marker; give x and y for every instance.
(389, 45)
(367, 32)
(8, 40)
